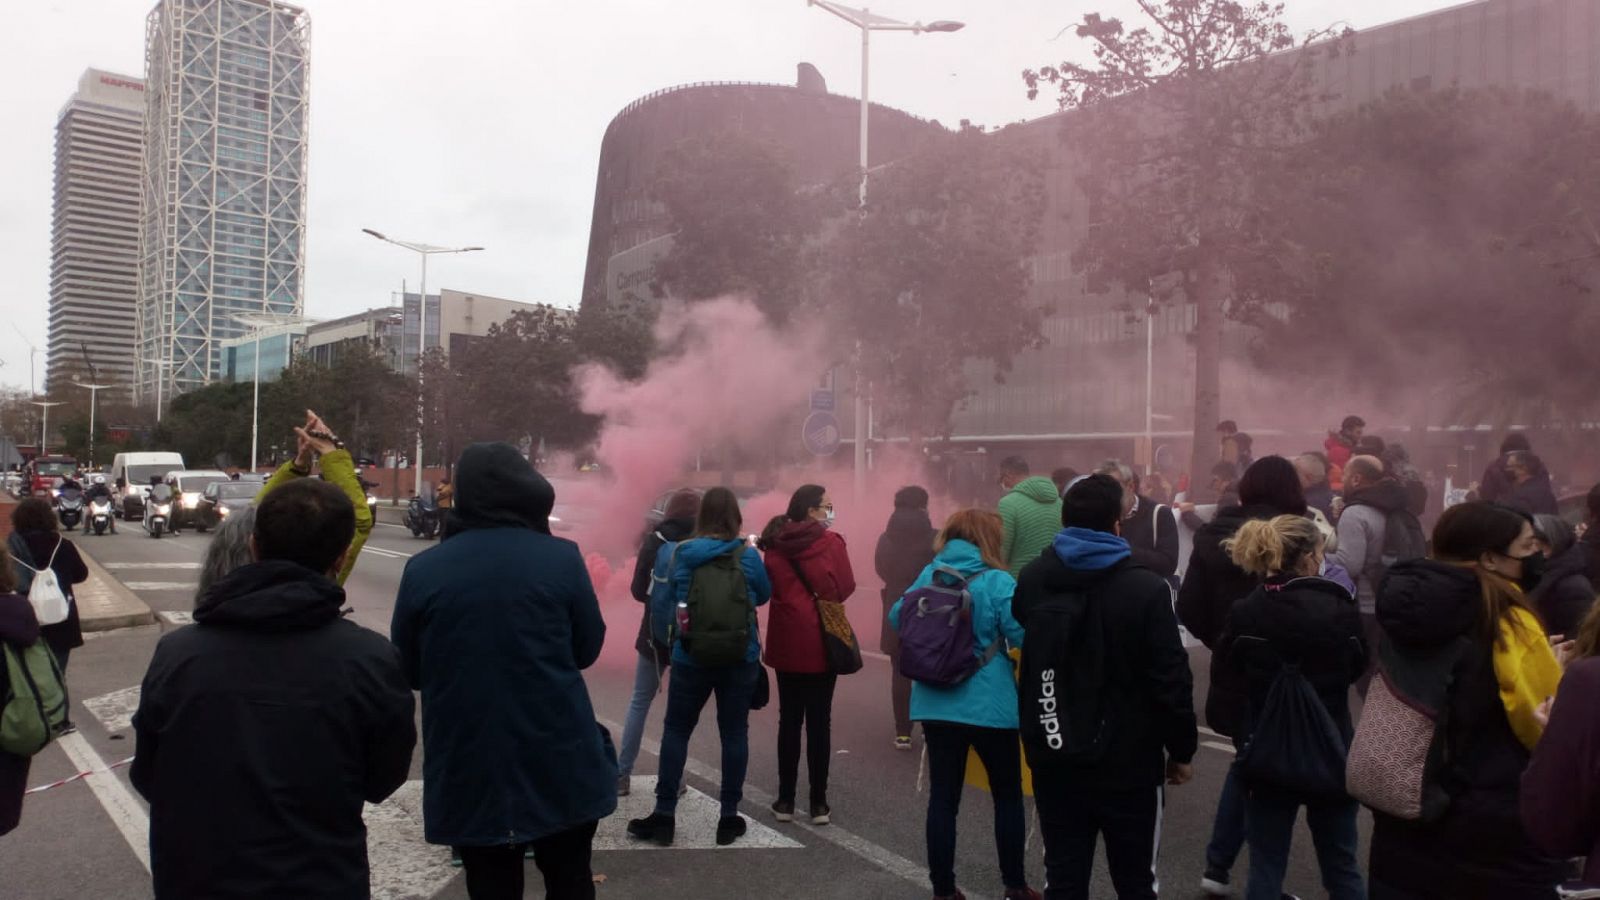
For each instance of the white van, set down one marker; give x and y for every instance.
(131, 474)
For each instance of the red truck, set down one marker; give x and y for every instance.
(44, 472)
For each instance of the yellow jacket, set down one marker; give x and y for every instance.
(1527, 671)
(339, 470)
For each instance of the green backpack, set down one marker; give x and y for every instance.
(720, 615)
(36, 699)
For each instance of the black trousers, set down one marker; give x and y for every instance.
(1072, 818)
(805, 700)
(496, 873)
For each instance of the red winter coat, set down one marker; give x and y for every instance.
(794, 632)
(1338, 451)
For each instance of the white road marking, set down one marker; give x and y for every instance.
(1216, 745)
(388, 554)
(124, 810)
(150, 565)
(882, 857)
(404, 865)
(390, 525)
(114, 710)
(160, 585)
(696, 824)
(174, 617)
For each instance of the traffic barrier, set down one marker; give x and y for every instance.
(78, 777)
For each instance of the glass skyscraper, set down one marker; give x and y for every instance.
(224, 183)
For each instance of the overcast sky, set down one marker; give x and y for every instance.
(479, 121)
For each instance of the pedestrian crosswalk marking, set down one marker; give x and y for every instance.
(114, 710)
(174, 617)
(697, 816)
(404, 865)
(150, 565)
(160, 585)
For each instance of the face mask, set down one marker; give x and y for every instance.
(1322, 568)
(1532, 571)
(829, 521)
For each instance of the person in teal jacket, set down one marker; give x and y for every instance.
(717, 533)
(1030, 514)
(978, 714)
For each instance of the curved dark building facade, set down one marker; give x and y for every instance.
(821, 130)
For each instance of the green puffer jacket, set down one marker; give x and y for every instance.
(1031, 514)
(339, 470)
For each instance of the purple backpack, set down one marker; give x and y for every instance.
(937, 646)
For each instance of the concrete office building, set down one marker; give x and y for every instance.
(375, 329)
(1085, 388)
(455, 318)
(224, 186)
(94, 235)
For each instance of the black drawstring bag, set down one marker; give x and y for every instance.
(1295, 746)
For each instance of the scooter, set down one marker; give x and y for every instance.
(158, 510)
(100, 514)
(422, 517)
(69, 508)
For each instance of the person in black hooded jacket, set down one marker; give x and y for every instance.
(1211, 586)
(1478, 846)
(904, 549)
(654, 657)
(264, 727)
(1295, 618)
(1564, 595)
(495, 627)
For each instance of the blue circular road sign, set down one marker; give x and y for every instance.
(820, 434)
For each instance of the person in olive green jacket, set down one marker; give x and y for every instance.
(338, 468)
(1030, 512)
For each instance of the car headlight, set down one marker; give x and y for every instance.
(222, 511)
(191, 501)
(371, 499)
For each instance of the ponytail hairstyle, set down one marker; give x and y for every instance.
(1267, 547)
(769, 534)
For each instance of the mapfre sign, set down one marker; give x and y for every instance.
(121, 83)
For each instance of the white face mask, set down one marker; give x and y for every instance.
(1322, 568)
(829, 521)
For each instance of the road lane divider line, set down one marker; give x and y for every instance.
(874, 854)
(124, 810)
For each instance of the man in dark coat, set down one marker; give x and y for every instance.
(904, 549)
(1530, 490)
(264, 727)
(495, 626)
(1496, 481)
(1146, 676)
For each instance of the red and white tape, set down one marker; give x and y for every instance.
(78, 777)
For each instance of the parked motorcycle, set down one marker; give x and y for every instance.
(99, 515)
(422, 517)
(158, 510)
(69, 508)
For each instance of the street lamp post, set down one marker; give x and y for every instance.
(868, 23)
(259, 322)
(94, 396)
(424, 251)
(44, 425)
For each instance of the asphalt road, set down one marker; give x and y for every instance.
(85, 838)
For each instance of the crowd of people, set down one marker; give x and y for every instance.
(1445, 681)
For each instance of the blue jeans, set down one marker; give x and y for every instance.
(646, 682)
(1333, 830)
(687, 693)
(1228, 830)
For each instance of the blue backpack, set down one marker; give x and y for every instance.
(662, 594)
(937, 646)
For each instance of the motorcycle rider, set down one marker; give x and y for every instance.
(100, 491)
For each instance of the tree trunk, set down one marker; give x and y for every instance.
(1211, 290)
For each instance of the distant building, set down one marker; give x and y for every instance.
(94, 235)
(277, 346)
(376, 329)
(224, 187)
(1086, 387)
(457, 316)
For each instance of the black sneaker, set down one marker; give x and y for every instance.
(657, 828)
(730, 829)
(820, 814)
(783, 811)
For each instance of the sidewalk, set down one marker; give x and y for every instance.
(104, 604)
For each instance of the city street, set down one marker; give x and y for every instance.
(86, 838)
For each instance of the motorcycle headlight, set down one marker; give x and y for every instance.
(191, 501)
(163, 509)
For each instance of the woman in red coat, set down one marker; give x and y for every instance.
(805, 560)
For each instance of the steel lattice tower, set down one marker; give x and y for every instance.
(224, 181)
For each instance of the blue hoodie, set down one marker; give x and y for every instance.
(1085, 549)
(989, 698)
(689, 555)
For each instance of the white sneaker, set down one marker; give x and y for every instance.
(1214, 888)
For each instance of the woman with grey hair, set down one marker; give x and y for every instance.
(1150, 528)
(1564, 594)
(229, 549)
